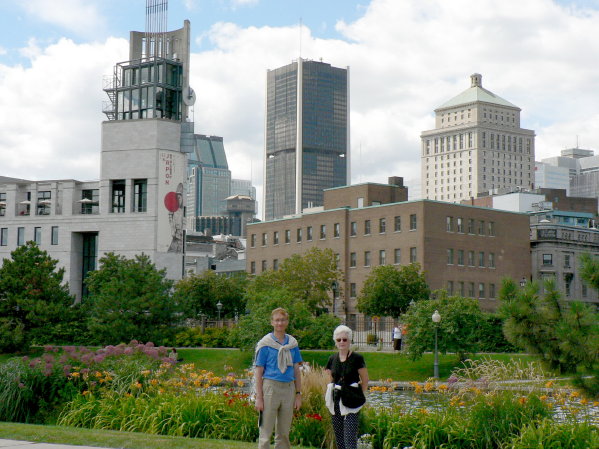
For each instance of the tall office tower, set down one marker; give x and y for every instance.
(307, 135)
(477, 147)
(209, 178)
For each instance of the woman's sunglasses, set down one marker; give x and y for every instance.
(341, 339)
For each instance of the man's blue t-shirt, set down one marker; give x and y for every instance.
(267, 357)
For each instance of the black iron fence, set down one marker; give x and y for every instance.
(373, 331)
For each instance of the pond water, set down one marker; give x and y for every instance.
(410, 401)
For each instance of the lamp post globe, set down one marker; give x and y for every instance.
(436, 319)
(219, 307)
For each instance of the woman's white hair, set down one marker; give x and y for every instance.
(342, 329)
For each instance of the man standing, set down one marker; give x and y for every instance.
(278, 381)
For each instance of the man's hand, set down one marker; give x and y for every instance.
(298, 401)
(259, 404)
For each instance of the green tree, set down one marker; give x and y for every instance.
(458, 330)
(199, 294)
(564, 333)
(388, 291)
(130, 299)
(311, 331)
(589, 271)
(33, 298)
(309, 278)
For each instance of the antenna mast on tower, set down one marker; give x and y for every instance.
(156, 24)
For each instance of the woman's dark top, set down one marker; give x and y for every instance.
(345, 373)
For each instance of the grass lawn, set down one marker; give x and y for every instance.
(381, 365)
(110, 438)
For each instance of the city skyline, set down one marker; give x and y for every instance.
(406, 59)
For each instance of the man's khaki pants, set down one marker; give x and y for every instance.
(279, 398)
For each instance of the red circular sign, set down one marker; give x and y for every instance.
(171, 202)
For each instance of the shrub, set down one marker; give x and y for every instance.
(208, 415)
(213, 337)
(548, 434)
(33, 390)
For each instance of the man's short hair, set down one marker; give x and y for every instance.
(279, 311)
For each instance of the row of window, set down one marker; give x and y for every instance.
(89, 199)
(21, 237)
(548, 260)
(353, 261)
(457, 257)
(140, 195)
(353, 231)
(466, 140)
(469, 226)
(471, 289)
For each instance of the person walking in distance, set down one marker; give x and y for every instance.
(278, 381)
(397, 330)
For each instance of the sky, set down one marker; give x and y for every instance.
(406, 58)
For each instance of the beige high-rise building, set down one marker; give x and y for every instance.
(477, 147)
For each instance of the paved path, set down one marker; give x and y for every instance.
(13, 444)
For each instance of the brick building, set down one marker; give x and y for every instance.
(465, 249)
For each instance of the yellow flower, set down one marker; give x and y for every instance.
(145, 372)
(128, 395)
(549, 384)
(75, 374)
(522, 400)
(154, 382)
(240, 383)
(596, 404)
(136, 385)
(584, 401)
(442, 388)
(86, 392)
(543, 397)
(428, 386)
(98, 374)
(461, 404)
(574, 394)
(423, 411)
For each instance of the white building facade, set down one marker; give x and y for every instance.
(477, 147)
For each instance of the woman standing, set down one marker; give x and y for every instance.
(346, 394)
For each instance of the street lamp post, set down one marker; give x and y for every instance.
(219, 306)
(436, 319)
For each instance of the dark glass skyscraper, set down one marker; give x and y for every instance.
(307, 135)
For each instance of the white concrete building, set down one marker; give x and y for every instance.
(477, 146)
(137, 205)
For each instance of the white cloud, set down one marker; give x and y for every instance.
(406, 58)
(79, 16)
(51, 111)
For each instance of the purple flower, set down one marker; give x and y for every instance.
(21, 385)
(128, 351)
(99, 358)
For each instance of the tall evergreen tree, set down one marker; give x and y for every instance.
(33, 298)
(130, 299)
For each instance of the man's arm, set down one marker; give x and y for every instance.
(258, 373)
(297, 374)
